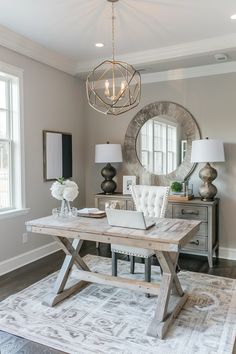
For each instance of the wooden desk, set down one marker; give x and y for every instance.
(165, 239)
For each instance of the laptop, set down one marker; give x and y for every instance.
(129, 218)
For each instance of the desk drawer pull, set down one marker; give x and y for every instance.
(189, 212)
(194, 242)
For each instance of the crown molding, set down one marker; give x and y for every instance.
(183, 50)
(188, 73)
(31, 49)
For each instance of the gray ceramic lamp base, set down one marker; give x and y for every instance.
(108, 185)
(207, 190)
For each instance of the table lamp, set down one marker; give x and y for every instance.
(107, 153)
(207, 150)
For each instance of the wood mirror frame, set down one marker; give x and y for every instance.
(132, 165)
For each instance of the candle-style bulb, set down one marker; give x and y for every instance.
(107, 92)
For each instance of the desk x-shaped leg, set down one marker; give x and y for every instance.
(71, 250)
(171, 297)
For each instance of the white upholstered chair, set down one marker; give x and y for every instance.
(152, 201)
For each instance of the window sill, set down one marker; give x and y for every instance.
(13, 213)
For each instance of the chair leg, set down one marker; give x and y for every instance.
(177, 269)
(114, 264)
(148, 271)
(132, 264)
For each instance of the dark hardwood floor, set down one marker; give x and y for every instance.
(29, 274)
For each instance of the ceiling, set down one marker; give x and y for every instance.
(158, 35)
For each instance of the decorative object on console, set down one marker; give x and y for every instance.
(106, 153)
(128, 181)
(181, 191)
(176, 187)
(180, 198)
(113, 87)
(66, 191)
(207, 150)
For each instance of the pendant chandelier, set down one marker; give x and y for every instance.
(113, 87)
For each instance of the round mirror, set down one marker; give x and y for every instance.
(158, 143)
(161, 145)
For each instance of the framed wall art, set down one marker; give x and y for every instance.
(57, 155)
(128, 181)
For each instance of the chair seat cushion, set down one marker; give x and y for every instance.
(132, 251)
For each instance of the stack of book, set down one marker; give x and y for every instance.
(92, 213)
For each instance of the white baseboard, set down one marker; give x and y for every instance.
(31, 256)
(27, 257)
(227, 253)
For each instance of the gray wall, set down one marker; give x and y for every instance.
(56, 101)
(212, 102)
(53, 101)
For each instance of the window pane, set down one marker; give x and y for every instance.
(3, 101)
(158, 163)
(144, 141)
(4, 176)
(170, 161)
(144, 158)
(3, 124)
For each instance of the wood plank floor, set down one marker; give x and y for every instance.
(27, 275)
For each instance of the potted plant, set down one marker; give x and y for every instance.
(176, 187)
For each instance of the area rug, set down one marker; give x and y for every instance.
(105, 319)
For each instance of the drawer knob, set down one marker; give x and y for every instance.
(189, 212)
(194, 242)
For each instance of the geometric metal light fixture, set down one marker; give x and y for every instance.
(113, 87)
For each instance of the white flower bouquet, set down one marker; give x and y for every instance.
(66, 191)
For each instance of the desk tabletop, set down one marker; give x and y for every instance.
(172, 231)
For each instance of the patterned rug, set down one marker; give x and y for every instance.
(108, 320)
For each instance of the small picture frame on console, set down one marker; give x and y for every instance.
(128, 181)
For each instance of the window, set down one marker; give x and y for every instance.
(11, 154)
(157, 146)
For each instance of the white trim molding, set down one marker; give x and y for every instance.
(36, 51)
(158, 55)
(9, 214)
(188, 73)
(27, 257)
(14, 75)
(227, 253)
(11, 69)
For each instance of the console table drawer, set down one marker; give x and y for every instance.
(190, 212)
(197, 243)
(203, 229)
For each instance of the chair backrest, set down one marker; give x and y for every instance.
(151, 200)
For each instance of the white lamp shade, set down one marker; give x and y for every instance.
(207, 150)
(108, 153)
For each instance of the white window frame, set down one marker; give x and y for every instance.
(15, 75)
(150, 149)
